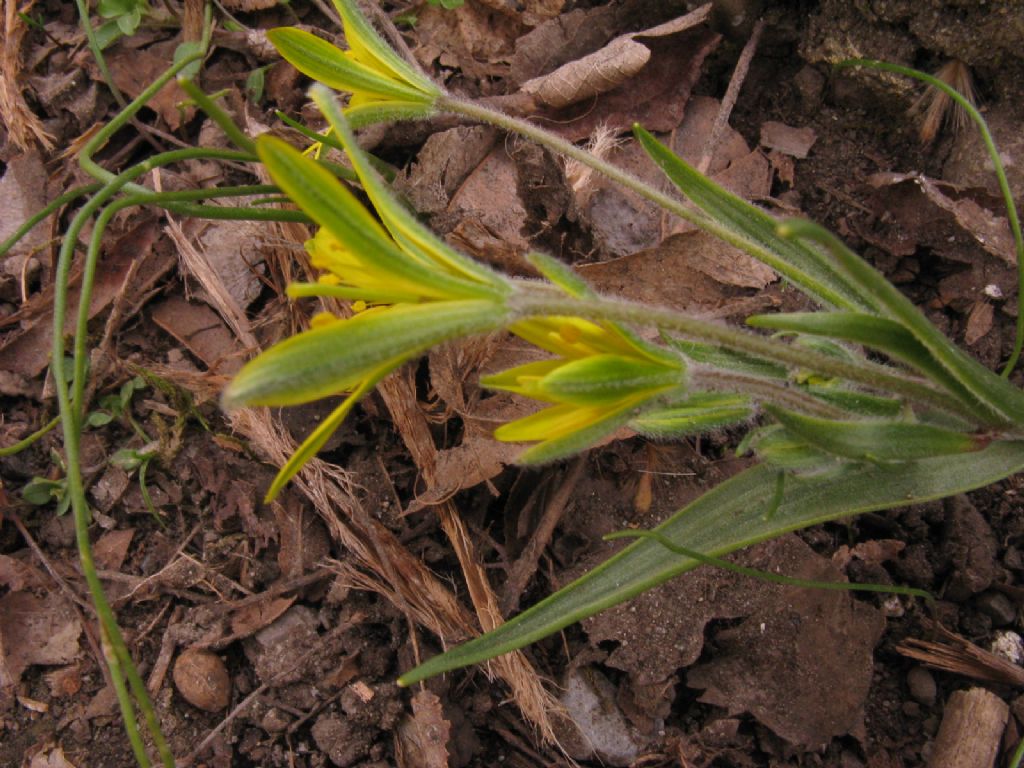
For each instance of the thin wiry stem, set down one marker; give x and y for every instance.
(997, 163)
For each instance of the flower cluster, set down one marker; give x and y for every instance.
(412, 291)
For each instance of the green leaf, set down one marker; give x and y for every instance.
(403, 226)
(562, 275)
(183, 51)
(335, 358)
(255, 82)
(39, 491)
(801, 264)
(728, 518)
(362, 37)
(724, 358)
(330, 65)
(1001, 402)
(98, 418)
(875, 440)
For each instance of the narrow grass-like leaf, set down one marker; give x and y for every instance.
(560, 274)
(876, 440)
(799, 263)
(366, 43)
(316, 440)
(719, 357)
(728, 518)
(402, 225)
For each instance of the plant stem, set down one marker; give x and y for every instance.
(53, 205)
(539, 301)
(709, 379)
(666, 202)
(97, 52)
(24, 443)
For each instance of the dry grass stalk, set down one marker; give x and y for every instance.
(22, 124)
(195, 263)
(529, 694)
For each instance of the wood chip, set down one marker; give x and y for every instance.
(971, 730)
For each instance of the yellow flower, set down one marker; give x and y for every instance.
(600, 380)
(383, 85)
(431, 294)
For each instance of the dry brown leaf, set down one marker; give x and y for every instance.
(133, 70)
(989, 230)
(248, 5)
(111, 549)
(979, 322)
(564, 39)
(16, 575)
(50, 758)
(201, 331)
(488, 195)
(607, 68)
(772, 665)
(28, 354)
(37, 630)
(422, 739)
(443, 164)
(302, 538)
(623, 222)
(656, 97)
(795, 142)
(252, 618)
(22, 194)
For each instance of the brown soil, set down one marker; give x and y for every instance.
(309, 609)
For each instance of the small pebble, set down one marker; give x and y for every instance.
(922, 686)
(202, 679)
(1009, 646)
(997, 607)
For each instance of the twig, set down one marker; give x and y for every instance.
(61, 582)
(731, 95)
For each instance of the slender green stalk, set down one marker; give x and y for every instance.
(536, 301)
(131, 726)
(97, 52)
(666, 202)
(51, 207)
(219, 116)
(1018, 755)
(24, 443)
(997, 163)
